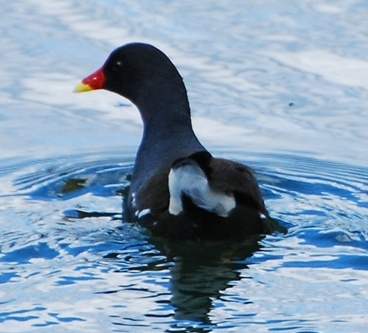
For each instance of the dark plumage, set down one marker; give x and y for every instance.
(178, 190)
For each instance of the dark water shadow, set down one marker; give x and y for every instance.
(201, 272)
(199, 275)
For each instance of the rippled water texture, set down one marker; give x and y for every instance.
(280, 87)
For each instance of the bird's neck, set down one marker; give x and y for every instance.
(167, 133)
(164, 140)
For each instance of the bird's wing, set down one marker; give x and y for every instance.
(232, 177)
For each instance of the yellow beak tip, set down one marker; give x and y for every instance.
(82, 87)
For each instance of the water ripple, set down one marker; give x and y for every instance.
(94, 268)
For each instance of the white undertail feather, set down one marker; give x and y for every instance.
(189, 179)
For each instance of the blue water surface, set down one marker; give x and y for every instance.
(281, 88)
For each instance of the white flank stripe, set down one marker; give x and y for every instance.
(143, 212)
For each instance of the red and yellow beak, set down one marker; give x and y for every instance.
(92, 82)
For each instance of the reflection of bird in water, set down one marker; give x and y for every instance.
(201, 272)
(194, 291)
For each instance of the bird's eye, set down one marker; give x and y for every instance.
(117, 66)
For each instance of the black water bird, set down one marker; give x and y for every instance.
(178, 190)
